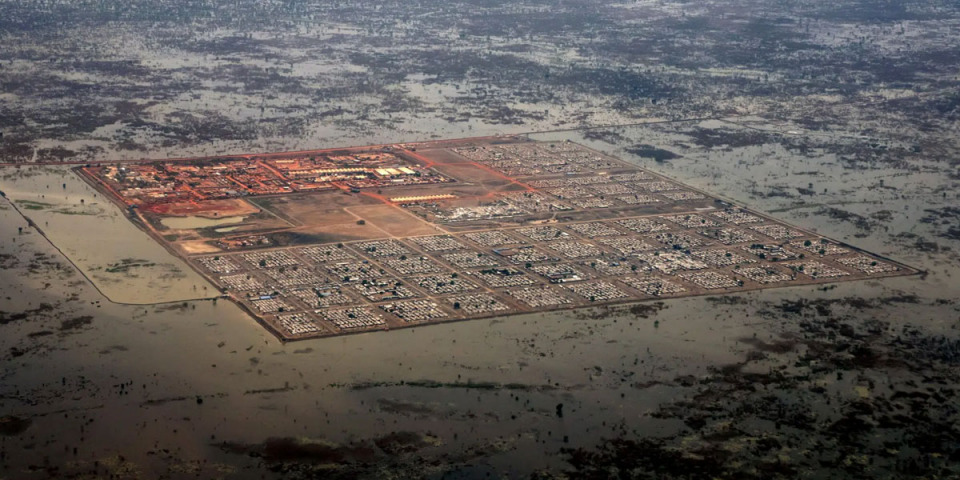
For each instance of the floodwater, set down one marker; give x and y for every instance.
(144, 391)
(120, 259)
(254, 387)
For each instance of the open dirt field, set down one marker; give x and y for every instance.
(197, 247)
(342, 232)
(395, 221)
(327, 208)
(473, 175)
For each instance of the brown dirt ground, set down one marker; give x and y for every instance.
(395, 221)
(207, 208)
(318, 209)
(197, 247)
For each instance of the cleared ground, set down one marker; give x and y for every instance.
(325, 208)
(207, 209)
(394, 221)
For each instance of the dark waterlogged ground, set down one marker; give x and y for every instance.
(852, 380)
(853, 377)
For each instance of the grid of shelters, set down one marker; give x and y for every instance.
(438, 243)
(574, 260)
(273, 259)
(503, 277)
(384, 290)
(445, 284)
(710, 279)
(490, 238)
(325, 253)
(412, 265)
(477, 304)
(777, 231)
(678, 240)
(765, 275)
(323, 296)
(643, 225)
(652, 285)
(575, 249)
(298, 324)
(820, 247)
(692, 221)
(523, 254)
(683, 196)
(867, 264)
(816, 269)
(543, 233)
(559, 272)
(720, 257)
(615, 268)
(218, 264)
(626, 244)
(670, 261)
(597, 291)
(594, 229)
(470, 259)
(382, 248)
(539, 296)
(292, 276)
(728, 235)
(737, 216)
(352, 318)
(415, 310)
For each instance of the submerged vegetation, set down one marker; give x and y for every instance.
(835, 116)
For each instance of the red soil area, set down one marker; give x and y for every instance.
(206, 208)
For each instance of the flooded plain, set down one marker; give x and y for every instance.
(124, 263)
(196, 388)
(836, 116)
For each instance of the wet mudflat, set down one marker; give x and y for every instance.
(120, 259)
(846, 379)
(839, 116)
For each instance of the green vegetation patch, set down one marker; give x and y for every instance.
(33, 205)
(128, 264)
